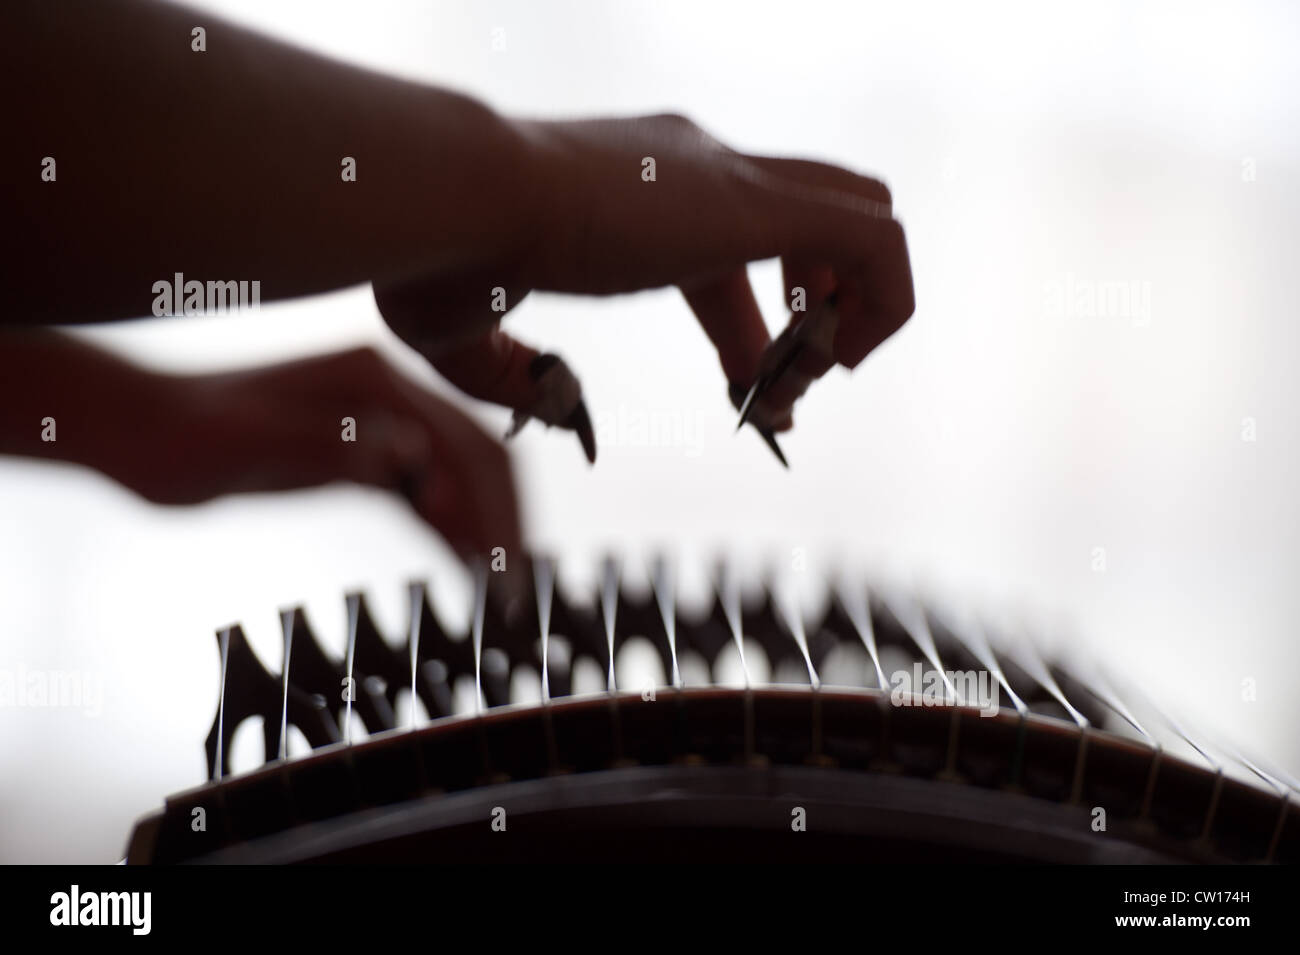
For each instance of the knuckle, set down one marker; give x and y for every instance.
(674, 119)
(154, 494)
(894, 239)
(683, 127)
(164, 493)
(879, 191)
(369, 355)
(367, 360)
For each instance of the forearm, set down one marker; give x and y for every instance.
(226, 165)
(64, 400)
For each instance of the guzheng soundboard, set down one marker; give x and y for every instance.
(867, 741)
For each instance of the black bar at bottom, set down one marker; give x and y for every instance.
(943, 903)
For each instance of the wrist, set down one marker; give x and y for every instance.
(558, 200)
(127, 435)
(481, 203)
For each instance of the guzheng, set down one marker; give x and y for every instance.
(826, 760)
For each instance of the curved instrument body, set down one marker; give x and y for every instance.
(949, 748)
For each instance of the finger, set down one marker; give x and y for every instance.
(469, 489)
(804, 352)
(451, 502)
(876, 298)
(351, 416)
(807, 284)
(438, 312)
(728, 312)
(396, 452)
(828, 215)
(470, 350)
(875, 197)
(873, 277)
(287, 450)
(500, 369)
(406, 439)
(492, 368)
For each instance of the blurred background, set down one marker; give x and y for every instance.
(1090, 423)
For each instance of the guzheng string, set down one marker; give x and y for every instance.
(662, 582)
(480, 608)
(223, 647)
(353, 600)
(286, 626)
(609, 606)
(416, 592)
(1108, 721)
(793, 622)
(544, 580)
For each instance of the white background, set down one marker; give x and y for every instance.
(982, 453)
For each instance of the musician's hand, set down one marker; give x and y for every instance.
(444, 202)
(600, 225)
(284, 426)
(184, 439)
